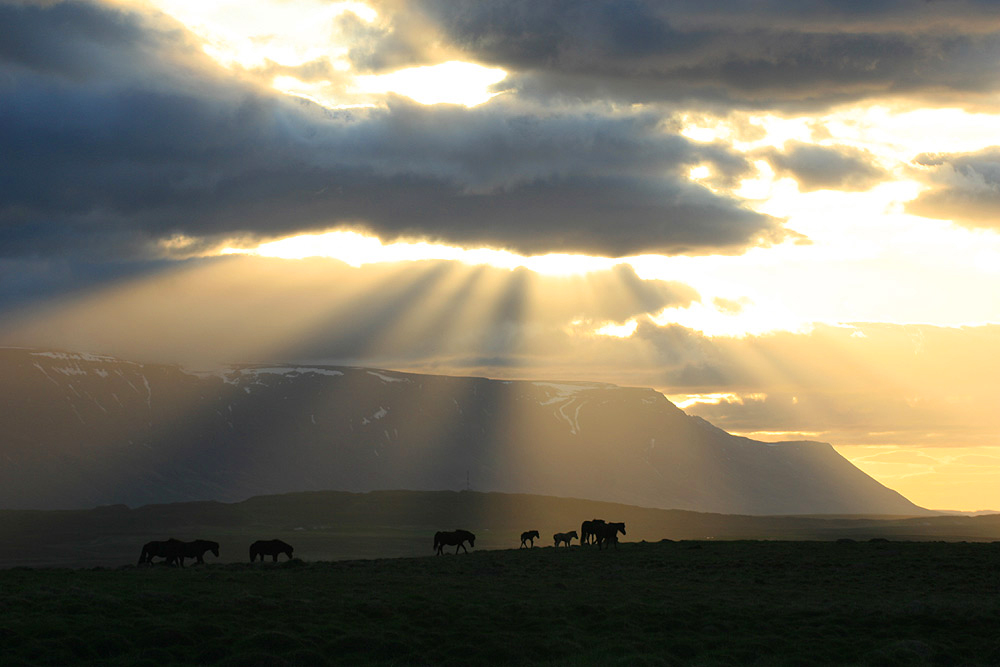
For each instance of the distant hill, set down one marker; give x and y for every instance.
(336, 525)
(80, 430)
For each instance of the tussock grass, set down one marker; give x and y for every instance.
(668, 603)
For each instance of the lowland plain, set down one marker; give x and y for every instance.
(683, 588)
(670, 603)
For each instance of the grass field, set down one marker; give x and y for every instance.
(684, 602)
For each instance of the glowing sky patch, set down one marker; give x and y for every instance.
(358, 249)
(618, 330)
(287, 33)
(451, 82)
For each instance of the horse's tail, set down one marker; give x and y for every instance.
(142, 554)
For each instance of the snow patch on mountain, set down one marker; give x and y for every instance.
(379, 414)
(388, 378)
(290, 371)
(79, 356)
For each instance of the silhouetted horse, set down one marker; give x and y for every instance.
(455, 538)
(588, 530)
(170, 549)
(269, 548)
(175, 551)
(196, 549)
(564, 537)
(608, 533)
(529, 537)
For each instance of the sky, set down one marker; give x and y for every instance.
(783, 215)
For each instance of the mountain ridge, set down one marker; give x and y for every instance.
(83, 430)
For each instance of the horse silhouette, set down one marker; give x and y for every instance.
(175, 551)
(588, 530)
(196, 549)
(564, 537)
(456, 538)
(269, 548)
(170, 549)
(608, 533)
(529, 537)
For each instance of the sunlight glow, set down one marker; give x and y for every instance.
(452, 82)
(618, 330)
(357, 249)
(929, 476)
(684, 401)
(753, 320)
(292, 34)
(287, 33)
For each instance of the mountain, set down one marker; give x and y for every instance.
(80, 430)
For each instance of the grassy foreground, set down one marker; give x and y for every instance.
(701, 603)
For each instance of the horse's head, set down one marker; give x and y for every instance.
(214, 546)
(621, 527)
(472, 539)
(573, 534)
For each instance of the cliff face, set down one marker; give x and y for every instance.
(81, 430)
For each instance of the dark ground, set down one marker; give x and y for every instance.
(671, 603)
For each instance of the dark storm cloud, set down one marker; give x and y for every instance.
(117, 134)
(762, 54)
(825, 167)
(964, 188)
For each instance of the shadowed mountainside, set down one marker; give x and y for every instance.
(84, 430)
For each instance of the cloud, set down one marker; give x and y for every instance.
(778, 54)
(825, 167)
(964, 188)
(118, 135)
(730, 306)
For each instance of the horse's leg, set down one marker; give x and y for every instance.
(275, 557)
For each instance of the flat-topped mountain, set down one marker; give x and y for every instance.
(80, 430)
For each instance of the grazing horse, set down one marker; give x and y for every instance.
(564, 537)
(588, 530)
(529, 537)
(608, 533)
(196, 549)
(456, 538)
(170, 549)
(270, 548)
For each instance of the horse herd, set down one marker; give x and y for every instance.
(596, 531)
(173, 551)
